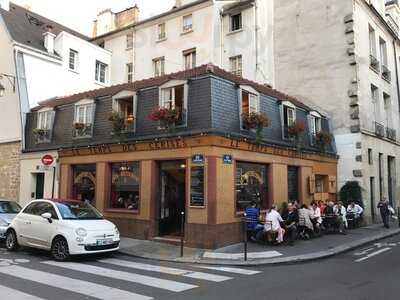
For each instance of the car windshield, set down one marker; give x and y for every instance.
(9, 207)
(78, 211)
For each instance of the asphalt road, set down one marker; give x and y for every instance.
(371, 272)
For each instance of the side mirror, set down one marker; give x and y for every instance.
(47, 216)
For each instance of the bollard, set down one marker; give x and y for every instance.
(182, 230)
(245, 236)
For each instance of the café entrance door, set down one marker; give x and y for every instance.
(171, 197)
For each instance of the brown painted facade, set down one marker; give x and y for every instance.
(217, 223)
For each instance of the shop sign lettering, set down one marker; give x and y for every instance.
(167, 144)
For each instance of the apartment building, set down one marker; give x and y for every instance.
(235, 35)
(211, 167)
(343, 57)
(39, 59)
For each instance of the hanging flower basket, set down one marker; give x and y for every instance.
(323, 139)
(257, 121)
(167, 117)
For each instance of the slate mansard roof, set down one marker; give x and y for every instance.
(27, 27)
(208, 69)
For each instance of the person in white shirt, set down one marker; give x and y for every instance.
(316, 214)
(355, 209)
(339, 210)
(273, 223)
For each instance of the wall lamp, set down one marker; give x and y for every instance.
(11, 79)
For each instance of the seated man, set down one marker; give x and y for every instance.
(316, 216)
(273, 222)
(291, 223)
(340, 211)
(252, 214)
(356, 210)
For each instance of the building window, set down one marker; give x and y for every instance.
(126, 108)
(383, 52)
(370, 158)
(159, 66)
(388, 111)
(83, 120)
(315, 125)
(236, 65)
(375, 102)
(84, 183)
(129, 41)
(125, 186)
(45, 119)
(73, 60)
(293, 183)
(319, 184)
(289, 119)
(161, 32)
(236, 22)
(197, 186)
(372, 42)
(189, 59)
(129, 72)
(251, 185)
(174, 98)
(187, 23)
(250, 103)
(101, 71)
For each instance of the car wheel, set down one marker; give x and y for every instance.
(59, 249)
(11, 241)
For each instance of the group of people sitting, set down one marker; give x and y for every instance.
(294, 220)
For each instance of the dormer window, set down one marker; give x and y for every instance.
(173, 95)
(315, 123)
(83, 119)
(288, 118)
(250, 102)
(124, 105)
(44, 128)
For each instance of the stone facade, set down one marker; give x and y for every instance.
(9, 170)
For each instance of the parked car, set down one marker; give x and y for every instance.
(64, 227)
(8, 211)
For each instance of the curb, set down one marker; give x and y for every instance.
(274, 261)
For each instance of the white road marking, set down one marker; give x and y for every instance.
(373, 254)
(71, 284)
(230, 270)
(380, 245)
(165, 270)
(251, 255)
(165, 284)
(365, 251)
(7, 293)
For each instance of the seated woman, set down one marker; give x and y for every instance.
(316, 217)
(306, 226)
(273, 222)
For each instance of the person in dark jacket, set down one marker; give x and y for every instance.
(383, 206)
(291, 223)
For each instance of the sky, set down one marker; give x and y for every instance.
(80, 14)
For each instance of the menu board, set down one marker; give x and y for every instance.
(197, 186)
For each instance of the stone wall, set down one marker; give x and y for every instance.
(9, 170)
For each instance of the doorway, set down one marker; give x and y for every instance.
(172, 197)
(39, 191)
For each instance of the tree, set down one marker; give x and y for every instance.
(350, 192)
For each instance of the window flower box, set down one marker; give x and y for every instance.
(255, 121)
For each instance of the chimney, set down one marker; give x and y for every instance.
(5, 4)
(49, 38)
(178, 3)
(94, 32)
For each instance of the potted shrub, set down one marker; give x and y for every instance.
(80, 128)
(40, 134)
(118, 122)
(295, 131)
(323, 139)
(256, 121)
(167, 117)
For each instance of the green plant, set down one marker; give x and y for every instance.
(351, 192)
(40, 134)
(118, 122)
(323, 139)
(257, 121)
(168, 117)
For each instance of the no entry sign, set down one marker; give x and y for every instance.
(47, 159)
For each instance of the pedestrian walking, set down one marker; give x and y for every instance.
(383, 206)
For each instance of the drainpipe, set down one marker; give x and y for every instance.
(397, 73)
(221, 21)
(256, 36)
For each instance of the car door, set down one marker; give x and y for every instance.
(42, 230)
(22, 224)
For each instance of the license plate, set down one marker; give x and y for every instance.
(104, 242)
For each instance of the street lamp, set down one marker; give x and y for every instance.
(11, 79)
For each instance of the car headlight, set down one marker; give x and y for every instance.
(81, 232)
(3, 223)
(116, 230)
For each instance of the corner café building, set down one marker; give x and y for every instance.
(210, 168)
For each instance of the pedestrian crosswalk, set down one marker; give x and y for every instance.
(117, 279)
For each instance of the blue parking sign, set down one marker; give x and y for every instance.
(227, 158)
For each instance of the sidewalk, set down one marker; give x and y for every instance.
(325, 246)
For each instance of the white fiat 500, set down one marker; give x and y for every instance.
(65, 227)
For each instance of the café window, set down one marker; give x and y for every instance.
(251, 185)
(125, 186)
(174, 97)
(84, 183)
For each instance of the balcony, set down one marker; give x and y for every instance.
(379, 130)
(391, 134)
(386, 74)
(374, 63)
(82, 130)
